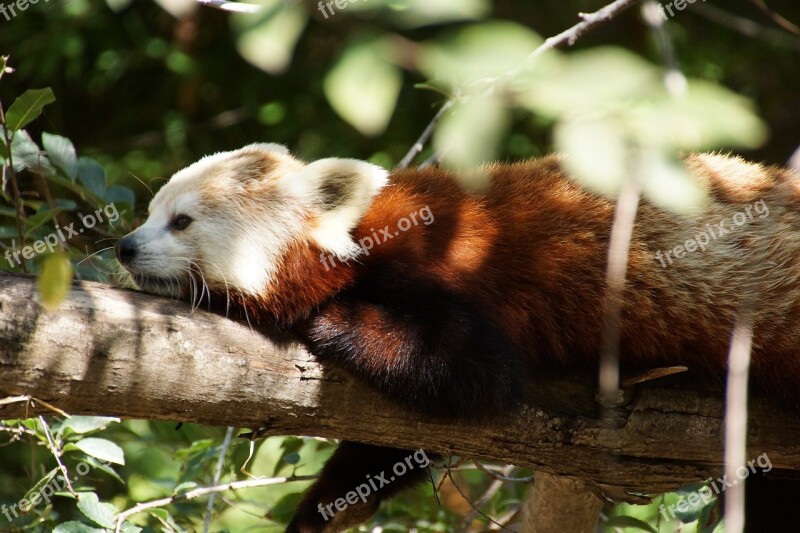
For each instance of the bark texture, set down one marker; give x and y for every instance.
(122, 353)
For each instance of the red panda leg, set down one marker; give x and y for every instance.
(352, 484)
(422, 347)
(425, 348)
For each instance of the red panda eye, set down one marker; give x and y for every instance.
(181, 222)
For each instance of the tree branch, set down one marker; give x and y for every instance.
(122, 353)
(568, 37)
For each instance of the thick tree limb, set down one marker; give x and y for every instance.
(127, 354)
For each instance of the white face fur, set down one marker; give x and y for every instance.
(232, 215)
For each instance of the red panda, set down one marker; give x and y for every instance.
(445, 299)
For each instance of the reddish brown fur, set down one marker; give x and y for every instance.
(531, 253)
(525, 261)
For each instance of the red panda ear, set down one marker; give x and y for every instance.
(342, 191)
(273, 148)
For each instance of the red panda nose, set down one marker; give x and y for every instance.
(126, 249)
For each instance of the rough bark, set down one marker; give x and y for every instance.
(123, 353)
(559, 503)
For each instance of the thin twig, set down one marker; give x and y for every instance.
(217, 474)
(590, 20)
(57, 454)
(8, 168)
(776, 17)
(494, 488)
(794, 161)
(568, 37)
(202, 491)
(495, 474)
(617, 266)
(233, 7)
(736, 416)
(674, 79)
(426, 134)
(48, 196)
(26, 398)
(449, 474)
(16, 433)
(747, 27)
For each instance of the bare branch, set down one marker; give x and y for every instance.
(590, 21)
(426, 134)
(203, 491)
(746, 26)
(618, 248)
(57, 454)
(566, 37)
(736, 418)
(217, 474)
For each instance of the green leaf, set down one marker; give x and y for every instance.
(435, 86)
(267, 39)
(120, 194)
(92, 176)
(103, 467)
(597, 79)
(691, 502)
(708, 116)
(291, 458)
(27, 155)
(471, 134)
(27, 107)
(184, 487)
(596, 153)
(425, 12)
(35, 494)
(65, 204)
(8, 232)
(55, 280)
(61, 153)
(629, 522)
(76, 527)
(86, 424)
(161, 514)
(484, 52)
(103, 449)
(44, 215)
(363, 87)
(164, 516)
(284, 509)
(102, 514)
(667, 183)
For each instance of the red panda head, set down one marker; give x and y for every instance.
(227, 220)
